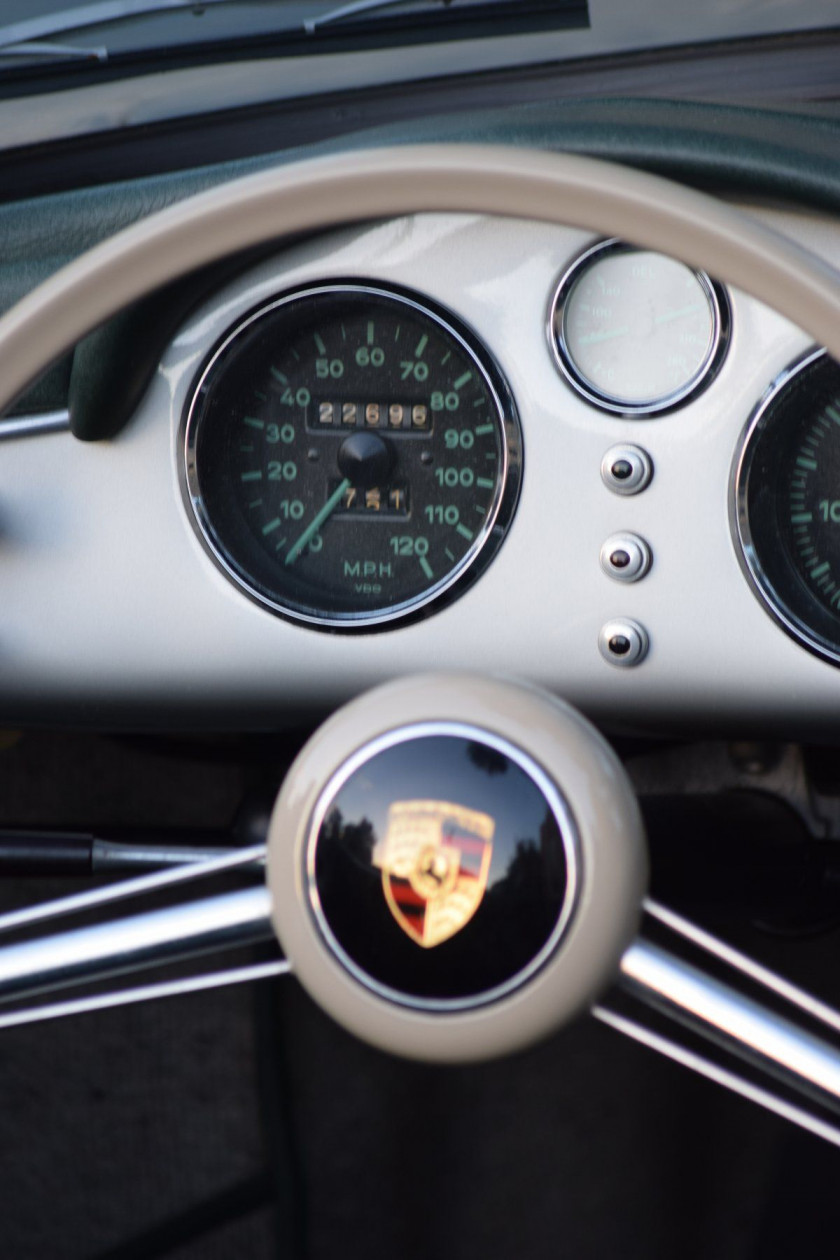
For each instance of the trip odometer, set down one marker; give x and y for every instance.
(788, 502)
(351, 456)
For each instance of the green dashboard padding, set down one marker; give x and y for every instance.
(743, 152)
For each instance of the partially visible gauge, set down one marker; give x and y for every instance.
(637, 332)
(787, 487)
(352, 456)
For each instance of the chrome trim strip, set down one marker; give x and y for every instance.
(715, 1009)
(146, 993)
(69, 52)
(154, 938)
(128, 888)
(734, 958)
(122, 855)
(720, 1076)
(34, 425)
(565, 824)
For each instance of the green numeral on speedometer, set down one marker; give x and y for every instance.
(280, 433)
(444, 402)
(442, 515)
(410, 368)
(302, 398)
(462, 438)
(455, 476)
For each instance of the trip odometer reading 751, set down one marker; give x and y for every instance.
(351, 456)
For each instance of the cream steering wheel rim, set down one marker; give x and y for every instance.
(313, 195)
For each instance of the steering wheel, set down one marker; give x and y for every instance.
(593, 941)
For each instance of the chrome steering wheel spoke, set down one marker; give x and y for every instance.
(680, 989)
(128, 944)
(690, 996)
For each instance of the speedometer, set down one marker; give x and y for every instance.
(352, 456)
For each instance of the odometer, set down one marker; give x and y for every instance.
(788, 502)
(351, 455)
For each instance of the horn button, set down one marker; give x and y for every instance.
(456, 866)
(442, 867)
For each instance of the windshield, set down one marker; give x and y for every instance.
(104, 29)
(115, 64)
(32, 30)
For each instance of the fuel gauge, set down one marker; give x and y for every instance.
(635, 331)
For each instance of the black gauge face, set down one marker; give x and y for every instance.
(789, 503)
(349, 458)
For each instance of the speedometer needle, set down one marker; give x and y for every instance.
(313, 527)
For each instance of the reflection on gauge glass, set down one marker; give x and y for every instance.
(436, 911)
(635, 331)
(788, 502)
(352, 456)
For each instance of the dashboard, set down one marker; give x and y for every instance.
(125, 590)
(646, 373)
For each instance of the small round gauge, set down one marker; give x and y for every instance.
(787, 483)
(352, 456)
(637, 332)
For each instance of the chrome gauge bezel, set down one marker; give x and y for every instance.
(721, 316)
(759, 580)
(495, 524)
(566, 826)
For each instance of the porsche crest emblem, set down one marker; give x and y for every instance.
(435, 860)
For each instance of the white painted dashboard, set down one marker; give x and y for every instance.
(110, 602)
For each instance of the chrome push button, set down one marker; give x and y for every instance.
(625, 557)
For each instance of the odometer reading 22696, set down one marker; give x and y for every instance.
(351, 456)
